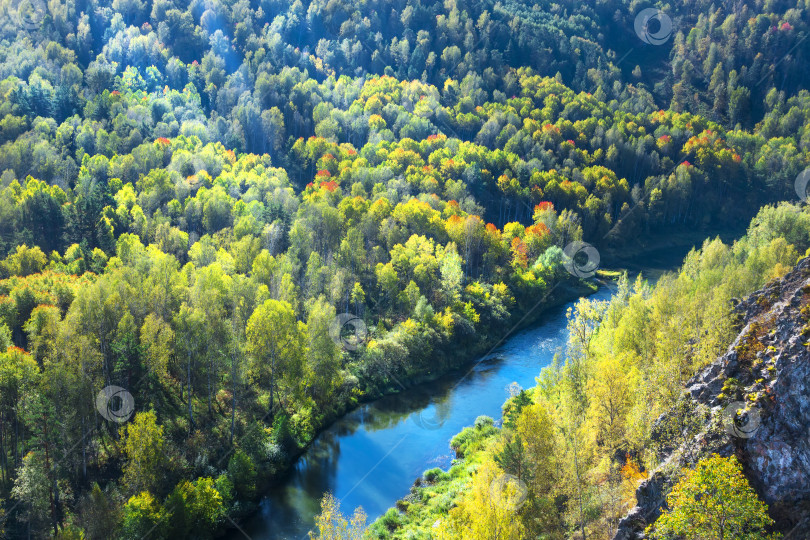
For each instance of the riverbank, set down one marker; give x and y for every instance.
(662, 250)
(432, 490)
(567, 292)
(583, 478)
(370, 457)
(451, 362)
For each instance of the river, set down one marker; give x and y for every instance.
(372, 456)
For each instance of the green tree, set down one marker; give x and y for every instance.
(145, 449)
(713, 501)
(101, 516)
(323, 355)
(276, 342)
(157, 339)
(18, 377)
(452, 276)
(191, 334)
(196, 510)
(513, 459)
(32, 488)
(24, 261)
(242, 473)
(144, 517)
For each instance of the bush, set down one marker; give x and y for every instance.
(242, 473)
(197, 509)
(143, 516)
(433, 474)
(471, 438)
(392, 519)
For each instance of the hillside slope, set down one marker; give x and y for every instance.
(752, 402)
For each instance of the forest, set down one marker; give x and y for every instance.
(193, 193)
(581, 439)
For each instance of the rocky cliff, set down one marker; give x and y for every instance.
(753, 402)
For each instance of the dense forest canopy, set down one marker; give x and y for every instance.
(191, 192)
(115, 84)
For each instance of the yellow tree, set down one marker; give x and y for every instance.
(145, 448)
(332, 525)
(609, 392)
(488, 510)
(713, 501)
(277, 341)
(157, 338)
(536, 429)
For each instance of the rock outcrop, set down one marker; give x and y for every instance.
(752, 402)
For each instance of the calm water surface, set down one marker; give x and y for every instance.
(371, 456)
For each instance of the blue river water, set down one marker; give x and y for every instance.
(372, 456)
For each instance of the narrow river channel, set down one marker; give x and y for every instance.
(372, 456)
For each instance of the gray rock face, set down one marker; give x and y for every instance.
(766, 375)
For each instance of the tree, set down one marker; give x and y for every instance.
(39, 413)
(276, 341)
(583, 321)
(145, 449)
(157, 339)
(452, 275)
(242, 473)
(611, 393)
(536, 430)
(190, 323)
(32, 487)
(323, 355)
(101, 517)
(713, 501)
(18, 378)
(332, 525)
(513, 459)
(488, 508)
(144, 517)
(24, 261)
(196, 509)
(388, 281)
(210, 292)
